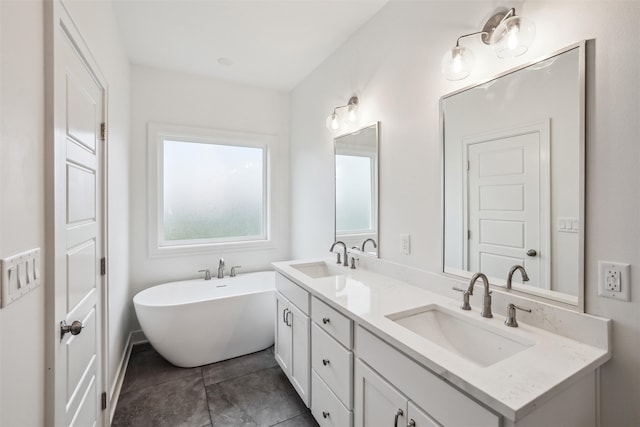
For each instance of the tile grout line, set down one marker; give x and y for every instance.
(242, 375)
(206, 396)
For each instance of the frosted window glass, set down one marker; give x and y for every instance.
(213, 192)
(353, 194)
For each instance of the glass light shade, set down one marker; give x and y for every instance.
(457, 63)
(513, 37)
(333, 122)
(352, 113)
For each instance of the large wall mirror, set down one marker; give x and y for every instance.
(513, 177)
(356, 189)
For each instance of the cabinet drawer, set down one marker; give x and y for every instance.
(333, 363)
(439, 399)
(294, 293)
(333, 322)
(326, 407)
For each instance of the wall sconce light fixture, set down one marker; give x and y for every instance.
(336, 119)
(508, 34)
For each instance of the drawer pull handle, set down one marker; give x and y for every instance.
(325, 362)
(412, 423)
(398, 415)
(325, 414)
(284, 315)
(325, 320)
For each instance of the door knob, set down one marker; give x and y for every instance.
(532, 252)
(75, 328)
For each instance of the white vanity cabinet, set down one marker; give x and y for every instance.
(292, 334)
(331, 366)
(391, 390)
(380, 404)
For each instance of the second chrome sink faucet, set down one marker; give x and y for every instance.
(525, 277)
(345, 261)
(486, 300)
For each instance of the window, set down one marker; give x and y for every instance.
(208, 190)
(354, 194)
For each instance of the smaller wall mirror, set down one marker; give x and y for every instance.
(356, 189)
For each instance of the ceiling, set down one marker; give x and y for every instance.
(266, 43)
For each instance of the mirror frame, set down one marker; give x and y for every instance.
(571, 302)
(376, 212)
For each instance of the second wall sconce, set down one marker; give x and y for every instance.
(508, 34)
(336, 120)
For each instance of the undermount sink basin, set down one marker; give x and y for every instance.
(454, 332)
(316, 270)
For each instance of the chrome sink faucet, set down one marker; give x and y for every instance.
(346, 261)
(486, 301)
(221, 269)
(373, 242)
(525, 277)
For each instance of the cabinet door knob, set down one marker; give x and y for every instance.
(325, 362)
(412, 423)
(325, 414)
(325, 320)
(398, 415)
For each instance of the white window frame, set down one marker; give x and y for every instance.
(156, 135)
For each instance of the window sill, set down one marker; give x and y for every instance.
(210, 248)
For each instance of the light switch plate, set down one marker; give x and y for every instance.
(614, 280)
(20, 275)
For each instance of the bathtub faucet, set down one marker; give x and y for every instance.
(221, 269)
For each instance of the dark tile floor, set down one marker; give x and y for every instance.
(246, 391)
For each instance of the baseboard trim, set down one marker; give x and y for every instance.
(135, 337)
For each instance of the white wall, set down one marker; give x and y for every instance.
(167, 97)
(22, 207)
(393, 64)
(22, 352)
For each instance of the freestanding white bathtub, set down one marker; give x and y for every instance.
(197, 322)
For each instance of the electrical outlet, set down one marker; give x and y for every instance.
(406, 243)
(614, 280)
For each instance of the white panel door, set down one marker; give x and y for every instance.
(282, 347)
(78, 103)
(377, 403)
(418, 418)
(300, 361)
(505, 205)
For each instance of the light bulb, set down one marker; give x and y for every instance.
(333, 122)
(352, 113)
(457, 63)
(513, 37)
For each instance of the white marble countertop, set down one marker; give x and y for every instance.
(513, 387)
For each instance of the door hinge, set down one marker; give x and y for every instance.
(103, 131)
(104, 400)
(103, 266)
(468, 234)
(468, 165)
